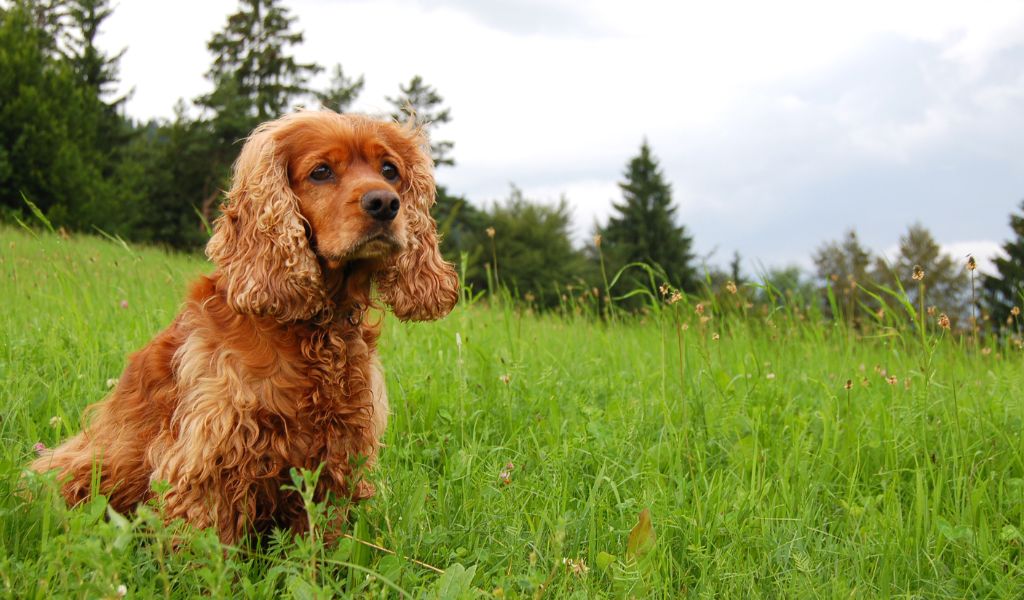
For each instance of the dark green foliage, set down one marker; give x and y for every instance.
(945, 281)
(534, 254)
(643, 227)
(343, 91)
(422, 103)
(1004, 290)
(461, 226)
(49, 124)
(843, 266)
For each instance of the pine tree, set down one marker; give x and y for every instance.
(254, 76)
(421, 102)
(1004, 291)
(945, 281)
(843, 266)
(342, 92)
(643, 227)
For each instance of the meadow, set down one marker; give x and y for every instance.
(695, 451)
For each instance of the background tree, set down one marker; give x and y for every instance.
(643, 226)
(535, 255)
(255, 79)
(422, 103)
(843, 265)
(49, 146)
(945, 280)
(342, 91)
(1005, 289)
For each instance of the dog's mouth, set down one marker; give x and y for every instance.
(375, 245)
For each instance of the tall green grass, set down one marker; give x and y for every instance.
(778, 455)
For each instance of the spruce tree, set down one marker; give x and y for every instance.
(254, 76)
(944, 279)
(643, 227)
(342, 92)
(1005, 290)
(843, 266)
(421, 102)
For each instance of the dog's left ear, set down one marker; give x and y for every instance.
(417, 283)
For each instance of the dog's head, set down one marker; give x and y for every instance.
(315, 191)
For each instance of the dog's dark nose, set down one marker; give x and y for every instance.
(382, 205)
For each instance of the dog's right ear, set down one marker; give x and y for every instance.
(259, 242)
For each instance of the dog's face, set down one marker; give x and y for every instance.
(353, 186)
(319, 190)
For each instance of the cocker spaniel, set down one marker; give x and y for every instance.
(272, 363)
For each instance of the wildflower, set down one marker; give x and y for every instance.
(597, 240)
(576, 566)
(1015, 311)
(986, 351)
(663, 289)
(122, 590)
(699, 308)
(684, 326)
(864, 382)
(506, 473)
(714, 337)
(529, 297)
(932, 310)
(918, 273)
(676, 297)
(770, 376)
(971, 263)
(704, 319)
(880, 313)
(944, 321)
(892, 380)
(490, 232)
(849, 385)
(39, 447)
(111, 382)
(505, 378)
(124, 304)
(730, 287)
(54, 421)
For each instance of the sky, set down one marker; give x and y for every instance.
(779, 125)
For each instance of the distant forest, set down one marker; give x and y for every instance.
(70, 152)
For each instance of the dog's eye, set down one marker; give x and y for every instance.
(321, 173)
(389, 171)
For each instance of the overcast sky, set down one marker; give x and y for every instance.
(778, 124)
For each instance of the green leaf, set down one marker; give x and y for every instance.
(456, 583)
(605, 560)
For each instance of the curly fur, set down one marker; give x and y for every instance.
(270, 364)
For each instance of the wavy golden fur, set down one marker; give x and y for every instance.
(271, 364)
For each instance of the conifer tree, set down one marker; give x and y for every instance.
(944, 280)
(342, 92)
(643, 227)
(1004, 290)
(422, 103)
(843, 266)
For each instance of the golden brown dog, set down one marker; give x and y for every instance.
(271, 364)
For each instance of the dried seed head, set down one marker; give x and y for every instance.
(918, 273)
(971, 264)
(849, 384)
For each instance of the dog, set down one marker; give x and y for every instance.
(272, 362)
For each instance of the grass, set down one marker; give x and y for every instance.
(765, 475)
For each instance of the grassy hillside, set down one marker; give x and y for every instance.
(765, 474)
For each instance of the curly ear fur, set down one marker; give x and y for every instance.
(259, 243)
(417, 283)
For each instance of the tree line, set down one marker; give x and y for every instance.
(69, 149)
